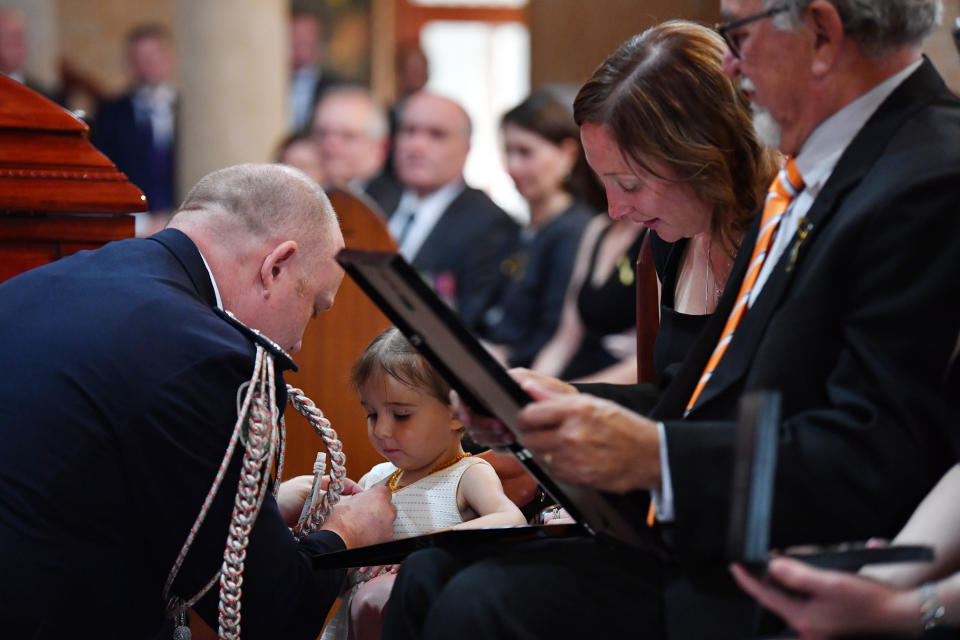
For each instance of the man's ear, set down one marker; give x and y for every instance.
(276, 265)
(828, 32)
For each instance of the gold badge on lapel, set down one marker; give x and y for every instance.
(804, 227)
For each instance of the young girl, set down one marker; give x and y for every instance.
(435, 484)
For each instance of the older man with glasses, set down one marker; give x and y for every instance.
(843, 298)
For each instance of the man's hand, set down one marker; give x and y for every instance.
(589, 441)
(363, 519)
(294, 492)
(554, 385)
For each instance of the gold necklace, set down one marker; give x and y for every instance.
(395, 477)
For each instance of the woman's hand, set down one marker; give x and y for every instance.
(820, 604)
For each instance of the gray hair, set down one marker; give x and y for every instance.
(878, 25)
(378, 127)
(267, 200)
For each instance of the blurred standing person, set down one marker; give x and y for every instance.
(413, 71)
(308, 77)
(452, 233)
(138, 129)
(545, 160)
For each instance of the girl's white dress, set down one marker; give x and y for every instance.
(424, 506)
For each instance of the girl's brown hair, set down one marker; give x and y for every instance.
(391, 353)
(663, 94)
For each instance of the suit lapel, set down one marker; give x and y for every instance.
(436, 241)
(915, 92)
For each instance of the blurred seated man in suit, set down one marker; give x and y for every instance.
(351, 130)
(138, 129)
(452, 233)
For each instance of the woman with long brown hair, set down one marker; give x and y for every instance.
(670, 137)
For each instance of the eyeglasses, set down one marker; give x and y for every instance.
(733, 40)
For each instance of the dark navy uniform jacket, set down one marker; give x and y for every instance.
(117, 400)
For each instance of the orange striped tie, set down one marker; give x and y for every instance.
(786, 185)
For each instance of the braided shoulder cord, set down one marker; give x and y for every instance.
(338, 463)
(242, 410)
(261, 444)
(261, 428)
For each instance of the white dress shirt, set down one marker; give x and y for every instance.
(303, 84)
(816, 160)
(426, 212)
(213, 281)
(155, 104)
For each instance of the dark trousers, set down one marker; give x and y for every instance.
(554, 589)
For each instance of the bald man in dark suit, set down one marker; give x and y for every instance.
(452, 233)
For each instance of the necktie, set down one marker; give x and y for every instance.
(786, 185)
(407, 225)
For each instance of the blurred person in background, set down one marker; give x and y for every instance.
(300, 151)
(546, 162)
(351, 132)
(14, 49)
(452, 233)
(138, 129)
(309, 79)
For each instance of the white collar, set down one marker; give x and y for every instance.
(213, 281)
(160, 94)
(822, 148)
(446, 193)
(429, 209)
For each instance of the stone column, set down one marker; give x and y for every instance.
(233, 79)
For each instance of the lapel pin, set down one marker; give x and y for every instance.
(804, 227)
